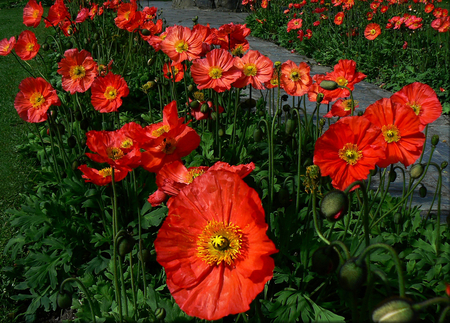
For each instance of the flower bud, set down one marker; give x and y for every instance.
(396, 309)
(71, 141)
(374, 171)
(392, 176)
(194, 104)
(45, 47)
(352, 274)
(290, 126)
(423, 191)
(126, 244)
(284, 97)
(191, 88)
(204, 108)
(329, 85)
(360, 113)
(325, 260)
(435, 140)
(277, 65)
(257, 135)
(221, 132)
(145, 255)
(444, 164)
(286, 108)
(416, 171)
(319, 97)
(334, 205)
(64, 299)
(146, 32)
(213, 116)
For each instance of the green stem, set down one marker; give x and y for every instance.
(316, 223)
(115, 229)
(85, 290)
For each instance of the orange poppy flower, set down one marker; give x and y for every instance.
(57, 13)
(82, 15)
(174, 176)
(216, 71)
(372, 31)
(34, 99)
(27, 46)
(205, 34)
(442, 25)
(6, 45)
(128, 17)
(429, 8)
(399, 132)
(168, 140)
(107, 93)
(346, 151)
(256, 69)
(32, 14)
(295, 80)
(294, 24)
(104, 176)
(181, 44)
(152, 28)
(273, 82)
(422, 99)
(342, 108)
(344, 74)
(339, 18)
(78, 70)
(176, 71)
(214, 248)
(113, 147)
(315, 89)
(230, 35)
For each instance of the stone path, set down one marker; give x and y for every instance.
(365, 93)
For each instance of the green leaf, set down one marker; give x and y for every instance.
(323, 315)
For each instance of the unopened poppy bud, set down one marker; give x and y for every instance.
(352, 274)
(194, 104)
(204, 108)
(416, 171)
(319, 97)
(71, 141)
(392, 176)
(444, 164)
(423, 191)
(334, 205)
(195, 19)
(290, 126)
(64, 299)
(286, 107)
(435, 140)
(145, 255)
(150, 61)
(373, 172)
(277, 65)
(221, 132)
(126, 245)
(146, 32)
(321, 122)
(325, 260)
(360, 113)
(213, 115)
(191, 88)
(329, 85)
(160, 313)
(395, 309)
(284, 97)
(250, 103)
(45, 47)
(257, 135)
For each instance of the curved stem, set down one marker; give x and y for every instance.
(316, 224)
(85, 290)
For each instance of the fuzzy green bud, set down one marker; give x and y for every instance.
(319, 97)
(352, 275)
(423, 191)
(329, 85)
(194, 104)
(325, 260)
(257, 135)
(435, 140)
(444, 164)
(64, 300)
(396, 309)
(416, 171)
(334, 205)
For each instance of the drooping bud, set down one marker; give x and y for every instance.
(325, 260)
(329, 85)
(319, 97)
(444, 164)
(396, 309)
(290, 126)
(257, 135)
(392, 176)
(286, 108)
(352, 275)
(64, 299)
(284, 97)
(146, 32)
(126, 244)
(435, 140)
(416, 171)
(204, 108)
(194, 104)
(423, 191)
(334, 205)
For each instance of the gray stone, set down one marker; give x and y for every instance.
(181, 4)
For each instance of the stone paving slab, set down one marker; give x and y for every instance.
(365, 93)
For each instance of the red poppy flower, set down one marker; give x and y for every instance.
(34, 99)
(384, 9)
(206, 36)
(104, 176)
(127, 16)
(216, 71)
(339, 18)
(57, 13)
(429, 8)
(256, 69)
(294, 24)
(149, 12)
(155, 41)
(113, 147)
(168, 140)
(422, 99)
(273, 82)
(181, 44)
(372, 31)
(342, 108)
(176, 71)
(6, 45)
(32, 14)
(78, 70)
(295, 80)
(151, 27)
(442, 25)
(27, 46)
(230, 35)
(344, 74)
(107, 93)
(82, 15)
(93, 10)
(346, 151)
(214, 248)
(308, 33)
(399, 132)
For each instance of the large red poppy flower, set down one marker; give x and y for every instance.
(346, 151)
(104, 176)
(113, 147)
(57, 13)
(372, 31)
(107, 93)
(216, 71)
(214, 248)
(422, 99)
(34, 99)
(399, 132)
(6, 45)
(181, 44)
(78, 70)
(174, 176)
(342, 108)
(295, 80)
(32, 14)
(344, 74)
(256, 69)
(27, 46)
(128, 17)
(168, 140)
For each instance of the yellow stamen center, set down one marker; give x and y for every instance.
(105, 172)
(37, 99)
(77, 72)
(181, 46)
(350, 153)
(373, 31)
(127, 143)
(35, 13)
(238, 50)
(110, 93)
(114, 153)
(199, 96)
(295, 76)
(348, 104)
(215, 72)
(219, 242)
(415, 106)
(30, 47)
(158, 132)
(168, 146)
(250, 70)
(390, 133)
(274, 82)
(193, 173)
(341, 81)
